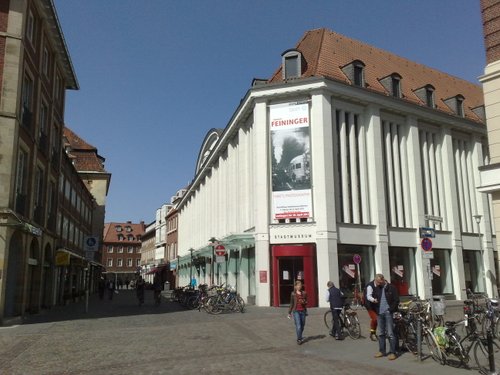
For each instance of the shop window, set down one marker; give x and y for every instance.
(442, 280)
(403, 272)
(348, 270)
(473, 271)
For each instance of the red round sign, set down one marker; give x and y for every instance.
(356, 258)
(426, 244)
(220, 250)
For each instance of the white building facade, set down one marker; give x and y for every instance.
(321, 177)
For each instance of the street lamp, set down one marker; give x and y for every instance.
(191, 268)
(478, 221)
(212, 240)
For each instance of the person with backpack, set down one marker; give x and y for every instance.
(386, 302)
(368, 301)
(336, 298)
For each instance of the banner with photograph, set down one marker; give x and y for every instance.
(291, 161)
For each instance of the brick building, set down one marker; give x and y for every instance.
(121, 250)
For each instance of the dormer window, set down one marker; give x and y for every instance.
(128, 228)
(118, 228)
(355, 72)
(456, 104)
(392, 84)
(291, 64)
(426, 95)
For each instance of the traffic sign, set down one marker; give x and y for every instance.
(426, 244)
(426, 232)
(220, 250)
(356, 258)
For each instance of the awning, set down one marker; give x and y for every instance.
(159, 268)
(63, 257)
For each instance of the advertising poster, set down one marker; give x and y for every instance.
(291, 161)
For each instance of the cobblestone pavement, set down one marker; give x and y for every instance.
(120, 337)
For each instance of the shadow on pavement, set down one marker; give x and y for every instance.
(124, 303)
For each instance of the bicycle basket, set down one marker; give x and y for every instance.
(440, 335)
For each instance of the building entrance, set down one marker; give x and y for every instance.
(289, 264)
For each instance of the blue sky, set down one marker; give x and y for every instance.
(156, 75)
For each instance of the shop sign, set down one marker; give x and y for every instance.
(350, 270)
(398, 270)
(436, 270)
(173, 265)
(62, 258)
(263, 277)
(290, 161)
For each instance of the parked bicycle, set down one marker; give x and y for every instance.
(348, 320)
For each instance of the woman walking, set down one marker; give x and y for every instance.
(298, 307)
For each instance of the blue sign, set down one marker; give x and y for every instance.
(426, 232)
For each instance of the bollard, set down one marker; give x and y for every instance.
(419, 340)
(491, 358)
(86, 301)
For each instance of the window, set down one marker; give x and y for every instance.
(120, 237)
(51, 208)
(22, 161)
(42, 119)
(119, 262)
(130, 249)
(45, 61)
(460, 106)
(39, 187)
(358, 75)
(120, 249)
(130, 237)
(129, 262)
(396, 86)
(30, 26)
(128, 228)
(110, 248)
(429, 97)
(118, 228)
(110, 262)
(292, 64)
(138, 262)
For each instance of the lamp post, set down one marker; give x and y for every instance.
(191, 268)
(478, 222)
(212, 240)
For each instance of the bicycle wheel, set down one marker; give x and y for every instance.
(212, 305)
(192, 302)
(410, 338)
(454, 348)
(328, 320)
(481, 355)
(352, 326)
(241, 304)
(433, 347)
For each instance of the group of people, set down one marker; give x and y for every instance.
(381, 301)
(110, 286)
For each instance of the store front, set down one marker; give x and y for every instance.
(403, 273)
(291, 263)
(348, 271)
(442, 278)
(474, 271)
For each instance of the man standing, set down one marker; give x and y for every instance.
(385, 301)
(368, 302)
(335, 297)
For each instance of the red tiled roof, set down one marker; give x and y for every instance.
(110, 234)
(326, 52)
(85, 156)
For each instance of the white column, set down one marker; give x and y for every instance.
(440, 182)
(324, 191)
(467, 195)
(407, 197)
(363, 172)
(377, 190)
(457, 263)
(432, 173)
(390, 173)
(336, 169)
(427, 180)
(354, 170)
(344, 170)
(261, 191)
(397, 175)
(458, 166)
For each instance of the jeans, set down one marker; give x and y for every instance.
(386, 328)
(300, 321)
(336, 329)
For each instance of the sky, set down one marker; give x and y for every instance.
(156, 75)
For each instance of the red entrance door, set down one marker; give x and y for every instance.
(289, 263)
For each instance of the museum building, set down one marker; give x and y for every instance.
(332, 169)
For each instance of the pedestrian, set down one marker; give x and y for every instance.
(111, 289)
(298, 307)
(101, 287)
(368, 301)
(385, 301)
(127, 282)
(139, 289)
(157, 288)
(120, 283)
(336, 298)
(193, 283)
